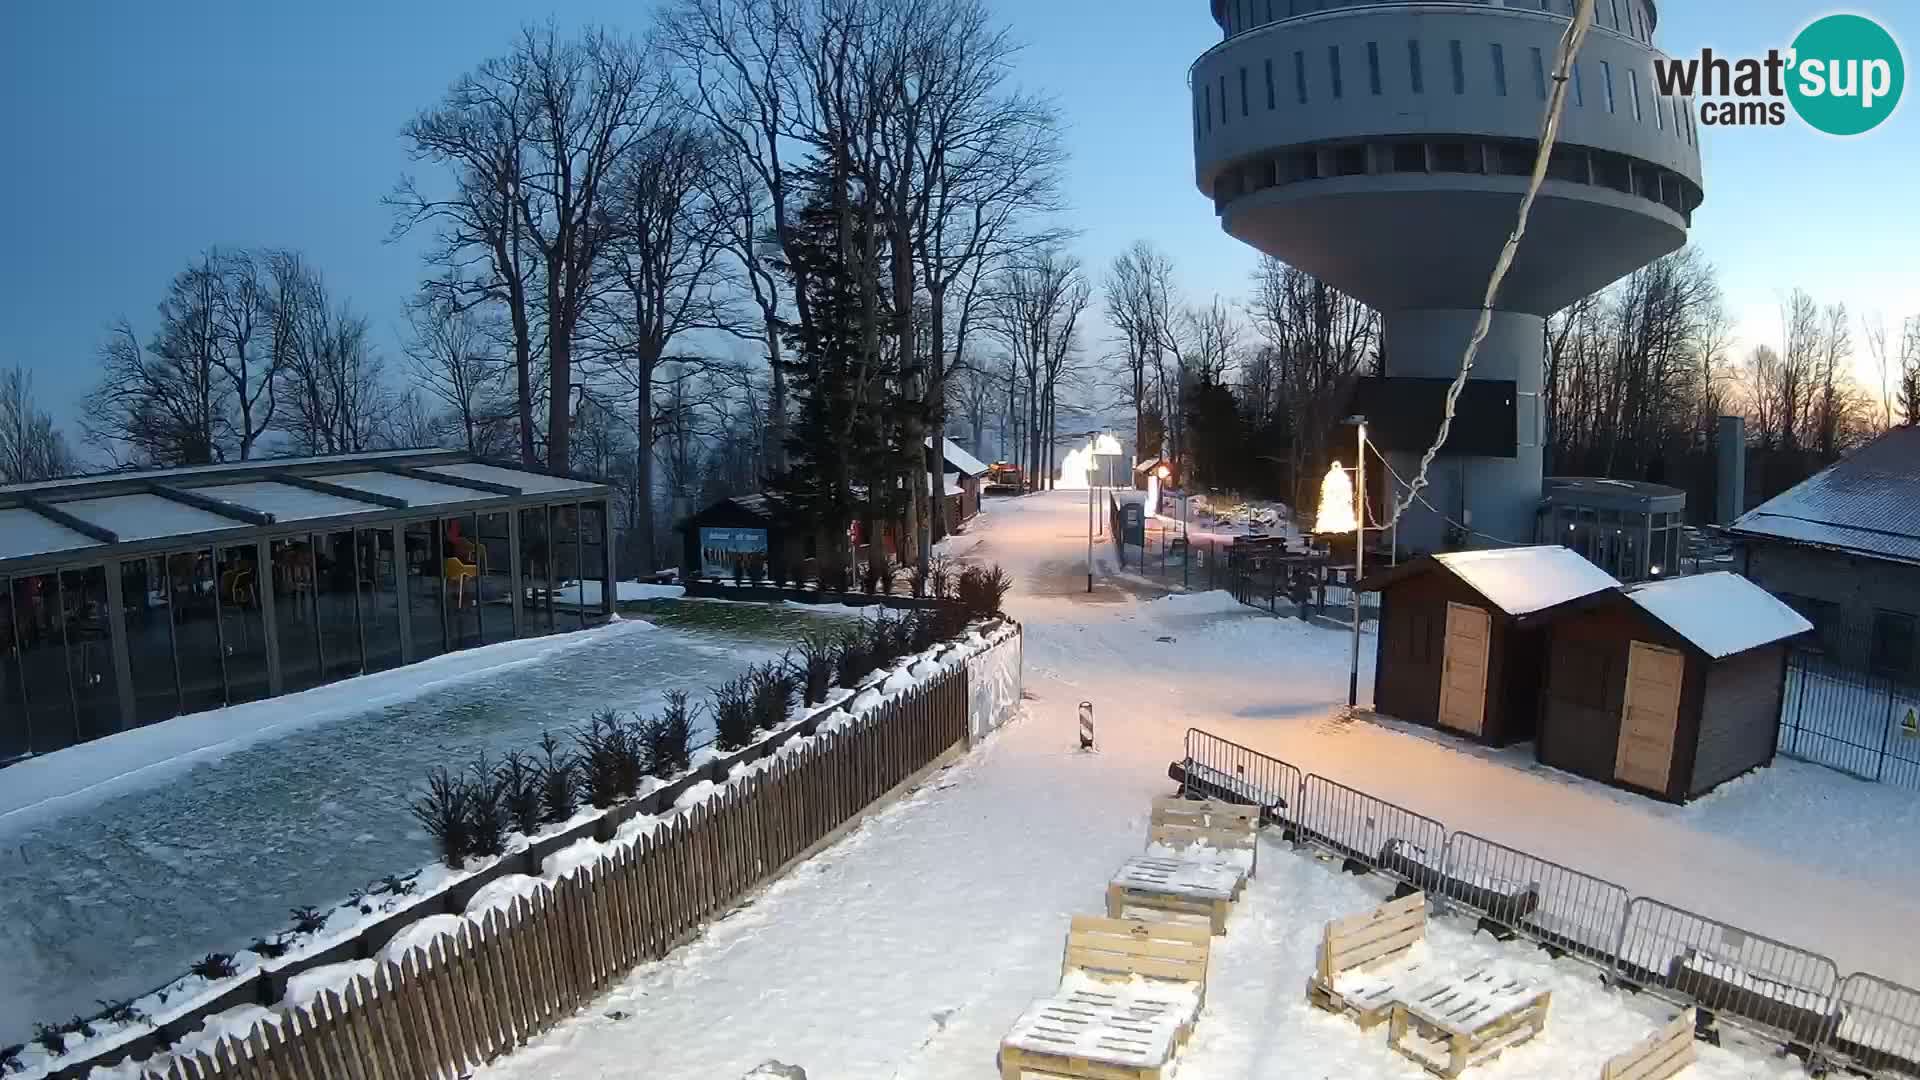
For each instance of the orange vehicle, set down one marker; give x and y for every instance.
(1004, 476)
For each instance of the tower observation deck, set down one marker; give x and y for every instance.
(1384, 146)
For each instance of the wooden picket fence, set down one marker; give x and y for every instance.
(466, 998)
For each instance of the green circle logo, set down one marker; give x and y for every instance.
(1846, 74)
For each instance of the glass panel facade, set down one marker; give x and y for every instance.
(460, 567)
(241, 629)
(593, 555)
(296, 620)
(536, 566)
(496, 577)
(15, 737)
(194, 599)
(337, 578)
(566, 565)
(43, 662)
(96, 690)
(145, 597)
(380, 607)
(425, 611)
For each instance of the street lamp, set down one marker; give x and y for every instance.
(1359, 554)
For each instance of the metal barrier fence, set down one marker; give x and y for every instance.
(1742, 978)
(1218, 769)
(1879, 1026)
(1846, 717)
(1391, 839)
(1550, 903)
(1777, 988)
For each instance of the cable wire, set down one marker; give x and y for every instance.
(1570, 42)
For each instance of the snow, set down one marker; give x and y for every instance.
(418, 493)
(145, 517)
(287, 502)
(624, 592)
(1722, 613)
(421, 935)
(958, 458)
(24, 533)
(1527, 579)
(501, 893)
(530, 482)
(304, 988)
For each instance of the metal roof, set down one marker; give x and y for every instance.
(959, 460)
(1867, 503)
(89, 518)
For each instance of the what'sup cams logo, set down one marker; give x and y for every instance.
(1842, 75)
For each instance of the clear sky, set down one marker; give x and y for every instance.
(141, 132)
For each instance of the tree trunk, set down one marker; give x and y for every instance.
(937, 523)
(776, 448)
(559, 379)
(644, 364)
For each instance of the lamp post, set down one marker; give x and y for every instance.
(1359, 554)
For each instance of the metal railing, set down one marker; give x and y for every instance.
(1736, 976)
(1847, 717)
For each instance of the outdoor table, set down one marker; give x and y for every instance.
(1180, 886)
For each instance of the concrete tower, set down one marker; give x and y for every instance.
(1383, 145)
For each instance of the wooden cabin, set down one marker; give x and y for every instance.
(1451, 651)
(1669, 688)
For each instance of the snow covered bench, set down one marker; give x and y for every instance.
(1130, 992)
(1657, 1057)
(1722, 986)
(1365, 959)
(1205, 830)
(1175, 890)
(1448, 1024)
(1505, 900)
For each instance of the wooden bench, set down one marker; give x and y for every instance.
(1207, 830)
(1657, 1057)
(1469, 1020)
(1365, 959)
(1130, 992)
(1175, 890)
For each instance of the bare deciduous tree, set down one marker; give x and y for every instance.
(1141, 303)
(1321, 340)
(1037, 312)
(451, 359)
(31, 447)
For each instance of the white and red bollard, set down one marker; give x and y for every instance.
(1086, 725)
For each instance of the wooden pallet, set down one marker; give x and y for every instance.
(1469, 1021)
(1362, 960)
(1657, 1057)
(1176, 886)
(1226, 829)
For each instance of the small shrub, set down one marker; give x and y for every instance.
(884, 640)
(612, 759)
(733, 713)
(772, 694)
(982, 589)
(559, 781)
(940, 575)
(217, 965)
(889, 573)
(923, 630)
(308, 920)
(271, 950)
(121, 1012)
(448, 818)
(949, 621)
(50, 1037)
(815, 667)
(397, 886)
(668, 738)
(488, 809)
(833, 574)
(922, 576)
(10, 1058)
(870, 578)
(519, 785)
(853, 660)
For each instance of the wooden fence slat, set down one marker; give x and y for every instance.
(539, 924)
(440, 1009)
(397, 1017)
(507, 977)
(600, 914)
(428, 1051)
(451, 960)
(370, 1011)
(256, 1046)
(488, 1029)
(326, 1037)
(361, 1032)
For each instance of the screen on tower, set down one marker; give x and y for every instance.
(1403, 414)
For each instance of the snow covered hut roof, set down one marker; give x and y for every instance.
(1721, 613)
(1867, 502)
(1523, 580)
(959, 459)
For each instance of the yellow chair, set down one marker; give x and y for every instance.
(458, 572)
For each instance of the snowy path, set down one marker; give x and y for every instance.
(110, 892)
(906, 950)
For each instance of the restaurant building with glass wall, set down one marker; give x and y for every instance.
(1629, 528)
(130, 598)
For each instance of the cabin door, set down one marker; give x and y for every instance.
(1649, 718)
(1463, 674)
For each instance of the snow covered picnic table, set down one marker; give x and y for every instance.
(1181, 886)
(1470, 1019)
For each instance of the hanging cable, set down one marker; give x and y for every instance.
(1570, 42)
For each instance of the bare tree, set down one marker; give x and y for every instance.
(412, 423)
(1038, 309)
(332, 393)
(1910, 369)
(241, 304)
(450, 359)
(1141, 303)
(31, 447)
(164, 403)
(1321, 340)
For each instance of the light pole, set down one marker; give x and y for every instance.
(1359, 555)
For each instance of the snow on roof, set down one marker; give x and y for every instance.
(416, 492)
(24, 533)
(540, 483)
(960, 459)
(1868, 501)
(1528, 579)
(1721, 613)
(148, 517)
(286, 502)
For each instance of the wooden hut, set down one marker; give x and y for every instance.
(741, 530)
(1451, 653)
(1669, 688)
(961, 476)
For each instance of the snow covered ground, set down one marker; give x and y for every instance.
(909, 948)
(123, 860)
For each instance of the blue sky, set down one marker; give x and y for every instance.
(143, 132)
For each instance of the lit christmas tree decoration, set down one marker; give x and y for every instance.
(1336, 503)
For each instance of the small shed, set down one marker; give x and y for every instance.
(742, 530)
(1451, 651)
(1669, 688)
(961, 478)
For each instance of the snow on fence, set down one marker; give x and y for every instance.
(1548, 902)
(452, 992)
(1772, 986)
(1742, 978)
(1389, 838)
(993, 686)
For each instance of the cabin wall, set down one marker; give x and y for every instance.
(1739, 716)
(1412, 651)
(1586, 684)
